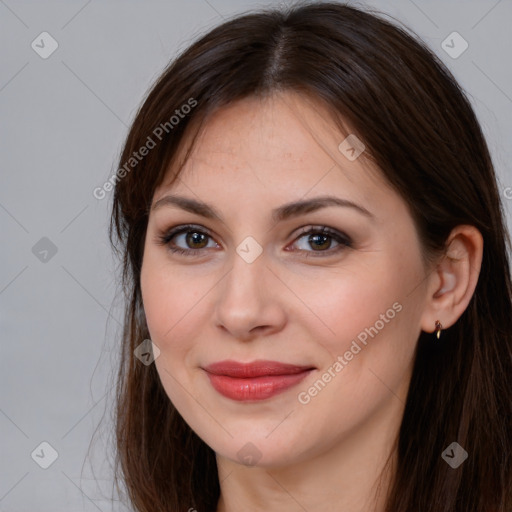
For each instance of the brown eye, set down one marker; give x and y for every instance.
(196, 240)
(188, 240)
(321, 240)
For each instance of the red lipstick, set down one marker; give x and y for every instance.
(254, 381)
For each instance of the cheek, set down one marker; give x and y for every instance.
(168, 297)
(342, 303)
(170, 301)
(368, 341)
(178, 304)
(155, 298)
(365, 312)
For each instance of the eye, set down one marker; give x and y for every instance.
(193, 238)
(321, 239)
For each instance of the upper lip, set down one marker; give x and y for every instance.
(258, 368)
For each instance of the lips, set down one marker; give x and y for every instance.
(254, 381)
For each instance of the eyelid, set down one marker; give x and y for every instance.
(320, 228)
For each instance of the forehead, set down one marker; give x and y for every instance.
(279, 148)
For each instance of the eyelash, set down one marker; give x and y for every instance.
(341, 238)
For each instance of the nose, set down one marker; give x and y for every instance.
(250, 300)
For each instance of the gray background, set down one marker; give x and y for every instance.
(63, 121)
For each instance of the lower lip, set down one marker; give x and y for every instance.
(255, 388)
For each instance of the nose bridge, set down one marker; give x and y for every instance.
(243, 282)
(245, 300)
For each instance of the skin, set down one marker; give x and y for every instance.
(327, 454)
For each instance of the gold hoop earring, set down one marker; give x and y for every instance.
(439, 327)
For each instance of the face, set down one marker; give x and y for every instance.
(334, 289)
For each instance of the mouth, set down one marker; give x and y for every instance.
(254, 381)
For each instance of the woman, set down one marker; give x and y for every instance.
(313, 241)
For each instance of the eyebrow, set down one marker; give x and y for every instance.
(279, 214)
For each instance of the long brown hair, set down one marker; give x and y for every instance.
(420, 130)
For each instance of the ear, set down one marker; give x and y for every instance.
(452, 284)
